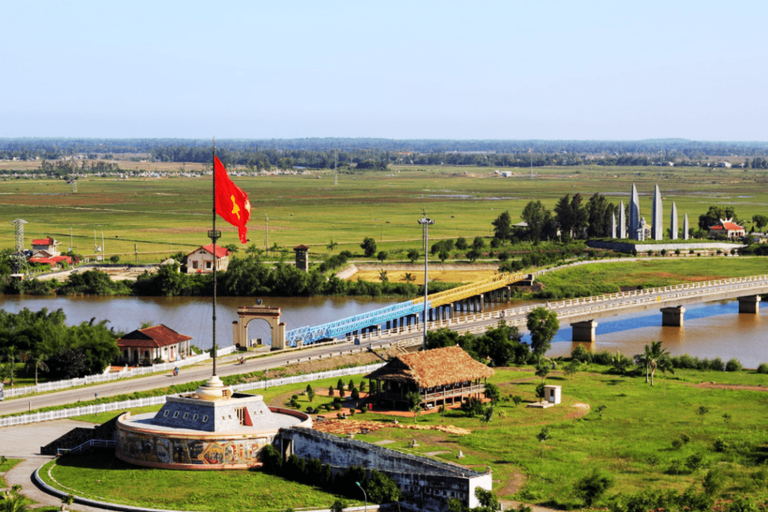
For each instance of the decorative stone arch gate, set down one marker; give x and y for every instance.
(245, 314)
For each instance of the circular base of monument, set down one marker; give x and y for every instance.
(142, 443)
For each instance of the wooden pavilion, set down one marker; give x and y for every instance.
(442, 376)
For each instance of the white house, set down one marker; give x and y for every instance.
(156, 342)
(200, 261)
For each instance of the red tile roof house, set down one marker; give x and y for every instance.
(200, 261)
(53, 261)
(727, 228)
(49, 245)
(157, 342)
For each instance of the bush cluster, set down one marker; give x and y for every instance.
(378, 486)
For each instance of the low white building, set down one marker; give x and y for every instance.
(156, 342)
(200, 261)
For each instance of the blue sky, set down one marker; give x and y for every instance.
(462, 70)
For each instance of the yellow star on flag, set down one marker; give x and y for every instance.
(235, 208)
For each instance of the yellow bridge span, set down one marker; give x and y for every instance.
(473, 289)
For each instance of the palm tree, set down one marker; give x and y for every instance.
(408, 277)
(12, 501)
(37, 360)
(643, 360)
(383, 276)
(9, 369)
(654, 358)
(331, 246)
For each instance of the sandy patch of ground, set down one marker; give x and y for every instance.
(740, 387)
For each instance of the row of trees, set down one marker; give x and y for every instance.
(323, 152)
(44, 343)
(571, 217)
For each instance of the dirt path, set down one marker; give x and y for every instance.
(740, 387)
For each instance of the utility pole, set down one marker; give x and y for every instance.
(425, 223)
(530, 151)
(71, 246)
(266, 234)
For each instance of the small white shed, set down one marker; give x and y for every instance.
(552, 394)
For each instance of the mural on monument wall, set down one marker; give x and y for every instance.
(155, 449)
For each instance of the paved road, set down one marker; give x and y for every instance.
(186, 374)
(23, 442)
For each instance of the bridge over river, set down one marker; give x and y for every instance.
(462, 309)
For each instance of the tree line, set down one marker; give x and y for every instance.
(323, 153)
(43, 342)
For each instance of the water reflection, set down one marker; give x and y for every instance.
(711, 330)
(192, 315)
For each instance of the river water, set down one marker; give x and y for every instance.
(711, 330)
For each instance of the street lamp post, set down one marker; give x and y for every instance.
(425, 223)
(365, 495)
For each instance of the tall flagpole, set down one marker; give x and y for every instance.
(214, 235)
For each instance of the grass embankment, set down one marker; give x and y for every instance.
(598, 278)
(633, 439)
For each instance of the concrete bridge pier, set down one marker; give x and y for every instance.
(750, 304)
(584, 331)
(672, 317)
(480, 303)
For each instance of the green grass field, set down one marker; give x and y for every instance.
(631, 440)
(649, 273)
(162, 216)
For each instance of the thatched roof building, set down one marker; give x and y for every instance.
(439, 376)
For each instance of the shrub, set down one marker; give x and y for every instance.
(676, 467)
(717, 364)
(763, 368)
(581, 354)
(733, 365)
(592, 486)
(355, 394)
(720, 445)
(694, 461)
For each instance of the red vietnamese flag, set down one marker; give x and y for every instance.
(231, 202)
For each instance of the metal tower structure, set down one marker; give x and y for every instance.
(19, 259)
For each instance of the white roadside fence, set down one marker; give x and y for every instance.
(107, 376)
(157, 400)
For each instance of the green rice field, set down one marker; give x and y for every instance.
(165, 215)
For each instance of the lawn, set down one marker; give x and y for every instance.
(99, 475)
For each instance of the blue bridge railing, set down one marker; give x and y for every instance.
(308, 335)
